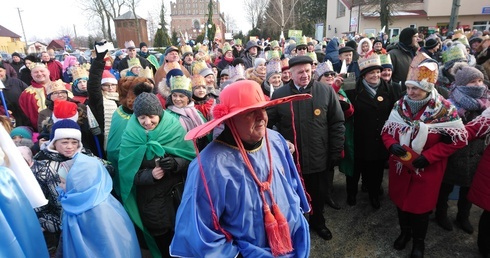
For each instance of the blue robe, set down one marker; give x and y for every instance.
(237, 203)
(20, 232)
(94, 223)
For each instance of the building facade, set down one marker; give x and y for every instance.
(10, 42)
(427, 16)
(191, 16)
(127, 30)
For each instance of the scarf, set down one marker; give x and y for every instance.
(189, 117)
(416, 105)
(371, 89)
(439, 116)
(137, 144)
(469, 98)
(229, 60)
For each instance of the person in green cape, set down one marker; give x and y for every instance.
(153, 159)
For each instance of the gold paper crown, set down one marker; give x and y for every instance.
(285, 63)
(198, 80)
(180, 83)
(453, 53)
(308, 40)
(86, 66)
(129, 44)
(272, 54)
(171, 65)
(312, 55)
(274, 44)
(423, 69)
(238, 42)
(369, 61)
(204, 49)
(198, 66)
(227, 47)
(132, 62)
(458, 34)
(464, 40)
(37, 65)
(273, 66)
(236, 72)
(146, 73)
(303, 41)
(186, 49)
(78, 73)
(385, 59)
(341, 41)
(323, 68)
(55, 86)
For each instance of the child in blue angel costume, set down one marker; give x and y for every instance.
(224, 208)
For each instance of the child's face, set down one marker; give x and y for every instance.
(67, 147)
(62, 183)
(17, 139)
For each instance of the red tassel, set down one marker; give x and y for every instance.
(273, 236)
(283, 227)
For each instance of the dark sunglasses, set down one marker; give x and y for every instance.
(329, 74)
(301, 48)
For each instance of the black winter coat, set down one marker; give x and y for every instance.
(369, 118)
(319, 124)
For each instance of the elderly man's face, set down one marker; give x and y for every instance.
(301, 74)
(45, 57)
(251, 126)
(40, 75)
(3, 74)
(172, 56)
(347, 56)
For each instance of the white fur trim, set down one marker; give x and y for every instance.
(74, 118)
(109, 80)
(64, 133)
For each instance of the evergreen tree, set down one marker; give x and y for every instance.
(162, 39)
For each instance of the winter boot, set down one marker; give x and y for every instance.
(464, 223)
(484, 234)
(406, 231)
(441, 207)
(418, 248)
(464, 207)
(443, 221)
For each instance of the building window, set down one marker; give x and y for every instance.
(481, 25)
(340, 9)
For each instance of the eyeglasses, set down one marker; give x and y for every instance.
(109, 85)
(301, 48)
(59, 93)
(327, 74)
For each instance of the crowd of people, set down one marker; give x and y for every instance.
(231, 151)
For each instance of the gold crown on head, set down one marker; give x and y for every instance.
(57, 85)
(385, 59)
(369, 61)
(198, 80)
(238, 42)
(273, 54)
(180, 83)
(36, 65)
(453, 53)
(303, 41)
(226, 47)
(422, 70)
(171, 65)
(274, 44)
(132, 62)
(79, 73)
(186, 49)
(312, 55)
(146, 73)
(198, 66)
(129, 44)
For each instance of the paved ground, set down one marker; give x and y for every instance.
(361, 231)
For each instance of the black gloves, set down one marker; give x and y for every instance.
(446, 138)
(168, 164)
(420, 162)
(397, 150)
(100, 56)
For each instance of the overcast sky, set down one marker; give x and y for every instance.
(43, 20)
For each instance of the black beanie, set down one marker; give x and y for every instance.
(147, 104)
(352, 44)
(406, 36)
(143, 44)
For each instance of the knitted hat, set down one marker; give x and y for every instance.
(224, 72)
(181, 84)
(64, 129)
(258, 61)
(64, 109)
(173, 72)
(385, 61)
(406, 36)
(22, 131)
(465, 74)
(143, 44)
(369, 63)
(57, 85)
(352, 44)
(147, 104)
(423, 72)
(273, 67)
(32, 58)
(431, 43)
(206, 71)
(16, 54)
(323, 68)
(108, 77)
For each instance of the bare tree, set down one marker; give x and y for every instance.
(254, 11)
(230, 23)
(132, 4)
(385, 9)
(280, 11)
(105, 11)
